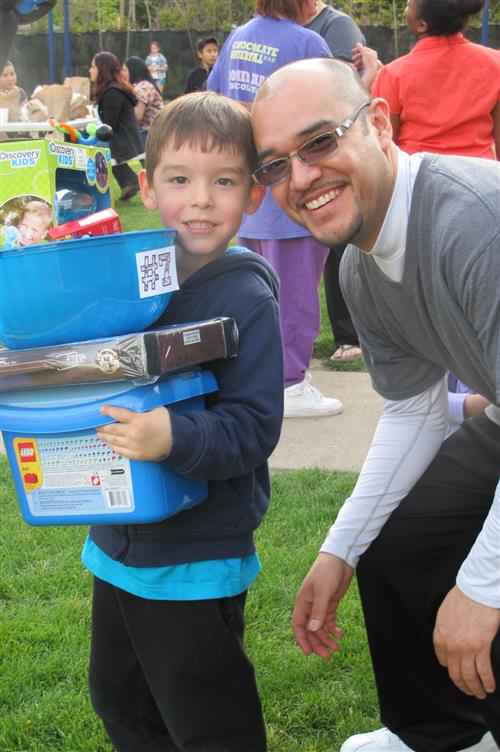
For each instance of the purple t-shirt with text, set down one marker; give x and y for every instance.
(250, 54)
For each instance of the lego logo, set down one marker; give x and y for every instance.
(27, 452)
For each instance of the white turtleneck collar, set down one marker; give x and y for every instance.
(389, 249)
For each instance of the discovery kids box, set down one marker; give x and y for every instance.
(72, 180)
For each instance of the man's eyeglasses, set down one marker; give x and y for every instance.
(312, 151)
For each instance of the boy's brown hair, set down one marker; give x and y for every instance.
(205, 120)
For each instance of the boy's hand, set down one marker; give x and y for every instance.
(138, 436)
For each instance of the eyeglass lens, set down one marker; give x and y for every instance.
(314, 150)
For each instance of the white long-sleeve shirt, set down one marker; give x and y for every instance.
(407, 438)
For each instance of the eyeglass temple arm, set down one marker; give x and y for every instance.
(341, 129)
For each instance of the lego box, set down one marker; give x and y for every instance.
(45, 183)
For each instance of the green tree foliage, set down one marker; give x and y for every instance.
(210, 14)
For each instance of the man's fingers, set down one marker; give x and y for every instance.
(320, 642)
(323, 644)
(473, 675)
(485, 672)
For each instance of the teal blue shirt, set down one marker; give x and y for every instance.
(218, 578)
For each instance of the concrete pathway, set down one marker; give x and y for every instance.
(339, 442)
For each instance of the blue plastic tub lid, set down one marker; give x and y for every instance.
(36, 413)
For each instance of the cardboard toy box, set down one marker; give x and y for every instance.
(55, 182)
(105, 222)
(141, 357)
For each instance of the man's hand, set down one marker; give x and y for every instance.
(463, 635)
(314, 619)
(138, 436)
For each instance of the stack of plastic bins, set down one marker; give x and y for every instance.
(69, 292)
(65, 476)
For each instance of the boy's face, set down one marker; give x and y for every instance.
(33, 228)
(202, 196)
(208, 55)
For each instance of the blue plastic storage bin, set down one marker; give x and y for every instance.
(74, 290)
(65, 476)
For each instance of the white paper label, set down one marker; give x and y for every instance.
(156, 271)
(192, 337)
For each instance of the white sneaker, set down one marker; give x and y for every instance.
(305, 401)
(384, 740)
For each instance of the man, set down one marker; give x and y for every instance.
(421, 281)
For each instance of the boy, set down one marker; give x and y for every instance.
(207, 49)
(168, 670)
(33, 226)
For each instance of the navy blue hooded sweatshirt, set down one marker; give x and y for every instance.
(228, 443)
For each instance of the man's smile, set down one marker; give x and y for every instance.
(323, 199)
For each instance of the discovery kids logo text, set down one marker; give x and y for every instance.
(21, 158)
(65, 154)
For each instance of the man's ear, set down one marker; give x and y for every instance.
(255, 198)
(381, 120)
(147, 193)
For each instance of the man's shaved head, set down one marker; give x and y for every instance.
(346, 83)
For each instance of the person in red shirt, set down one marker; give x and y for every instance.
(444, 95)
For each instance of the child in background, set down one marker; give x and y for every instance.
(149, 99)
(32, 228)
(207, 49)
(168, 669)
(444, 96)
(158, 66)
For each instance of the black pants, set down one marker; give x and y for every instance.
(124, 175)
(341, 324)
(169, 676)
(403, 578)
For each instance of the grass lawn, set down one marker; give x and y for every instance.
(310, 705)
